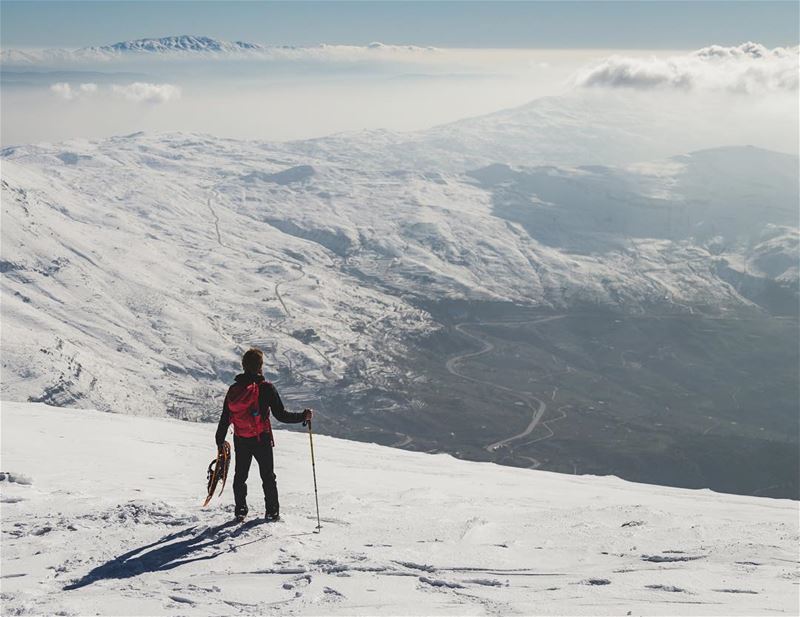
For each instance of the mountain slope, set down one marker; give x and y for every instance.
(301, 244)
(603, 128)
(396, 283)
(116, 528)
(136, 269)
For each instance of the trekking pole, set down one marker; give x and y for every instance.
(314, 469)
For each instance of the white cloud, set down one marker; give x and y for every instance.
(747, 68)
(138, 92)
(141, 92)
(68, 93)
(64, 90)
(745, 50)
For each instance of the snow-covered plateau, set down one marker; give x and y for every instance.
(101, 515)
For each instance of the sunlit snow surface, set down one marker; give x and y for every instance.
(101, 515)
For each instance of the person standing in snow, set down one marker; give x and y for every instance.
(247, 406)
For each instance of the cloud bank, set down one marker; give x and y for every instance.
(137, 92)
(749, 68)
(68, 93)
(141, 92)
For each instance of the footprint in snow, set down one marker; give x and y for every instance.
(42, 530)
(335, 521)
(472, 524)
(15, 478)
(438, 582)
(670, 588)
(486, 582)
(331, 592)
(330, 566)
(416, 566)
(670, 558)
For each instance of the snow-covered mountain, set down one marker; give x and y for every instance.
(173, 44)
(115, 527)
(187, 47)
(151, 260)
(136, 269)
(575, 129)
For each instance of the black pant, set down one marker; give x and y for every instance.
(259, 448)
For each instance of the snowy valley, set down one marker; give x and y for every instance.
(380, 270)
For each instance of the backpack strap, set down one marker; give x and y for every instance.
(265, 417)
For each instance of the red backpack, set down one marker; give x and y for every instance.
(245, 414)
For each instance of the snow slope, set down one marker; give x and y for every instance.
(100, 515)
(577, 128)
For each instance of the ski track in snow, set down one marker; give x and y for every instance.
(407, 533)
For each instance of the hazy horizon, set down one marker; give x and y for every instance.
(282, 95)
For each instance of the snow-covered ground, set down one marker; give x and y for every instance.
(101, 515)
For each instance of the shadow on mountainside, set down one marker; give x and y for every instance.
(171, 551)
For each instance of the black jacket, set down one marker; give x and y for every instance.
(268, 400)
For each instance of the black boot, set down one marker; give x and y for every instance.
(271, 517)
(240, 512)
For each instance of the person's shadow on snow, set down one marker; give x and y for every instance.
(166, 553)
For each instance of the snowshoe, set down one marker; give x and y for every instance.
(218, 470)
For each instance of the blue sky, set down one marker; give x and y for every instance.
(555, 24)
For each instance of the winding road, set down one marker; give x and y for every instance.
(293, 280)
(537, 416)
(538, 406)
(327, 370)
(216, 219)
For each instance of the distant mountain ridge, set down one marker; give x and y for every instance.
(170, 44)
(187, 46)
(182, 45)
